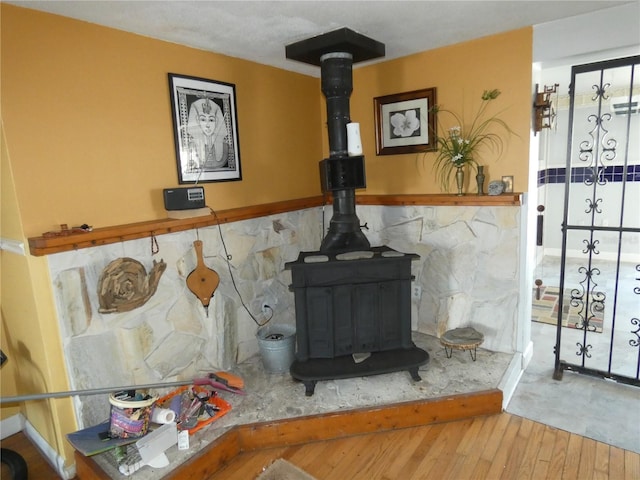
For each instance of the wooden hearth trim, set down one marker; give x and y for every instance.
(39, 246)
(244, 438)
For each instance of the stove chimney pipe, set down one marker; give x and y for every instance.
(337, 85)
(344, 228)
(336, 52)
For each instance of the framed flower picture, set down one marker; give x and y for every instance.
(205, 129)
(405, 122)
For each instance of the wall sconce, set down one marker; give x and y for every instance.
(544, 111)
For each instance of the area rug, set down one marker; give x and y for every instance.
(545, 310)
(283, 470)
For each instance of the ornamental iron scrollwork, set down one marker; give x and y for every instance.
(590, 303)
(598, 134)
(593, 205)
(608, 149)
(601, 92)
(583, 350)
(634, 342)
(591, 246)
(593, 141)
(593, 151)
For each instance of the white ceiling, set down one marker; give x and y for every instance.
(259, 30)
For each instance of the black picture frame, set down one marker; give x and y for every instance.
(405, 122)
(205, 129)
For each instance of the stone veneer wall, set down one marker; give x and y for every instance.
(469, 267)
(467, 274)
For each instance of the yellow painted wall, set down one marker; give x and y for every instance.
(9, 229)
(30, 330)
(459, 73)
(88, 123)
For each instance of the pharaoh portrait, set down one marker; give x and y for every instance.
(205, 130)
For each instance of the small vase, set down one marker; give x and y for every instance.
(480, 180)
(460, 180)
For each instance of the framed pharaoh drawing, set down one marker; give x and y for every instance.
(405, 122)
(205, 129)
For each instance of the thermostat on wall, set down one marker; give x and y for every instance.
(183, 198)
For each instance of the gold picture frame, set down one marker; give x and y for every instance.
(508, 183)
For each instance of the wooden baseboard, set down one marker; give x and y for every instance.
(243, 438)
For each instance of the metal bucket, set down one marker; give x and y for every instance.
(277, 345)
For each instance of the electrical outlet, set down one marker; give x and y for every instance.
(416, 292)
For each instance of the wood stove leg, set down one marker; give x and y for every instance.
(310, 387)
(414, 374)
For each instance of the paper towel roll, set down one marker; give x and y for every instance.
(163, 415)
(354, 144)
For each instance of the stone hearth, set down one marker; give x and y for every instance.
(277, 396)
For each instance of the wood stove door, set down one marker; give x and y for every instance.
(347, 319)
(356, 321)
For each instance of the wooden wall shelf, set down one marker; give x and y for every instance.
(46, 245)
(442, 200)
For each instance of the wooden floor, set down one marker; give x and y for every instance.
(499, 446)
(37, 466)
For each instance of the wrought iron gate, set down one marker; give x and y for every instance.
(600, 293)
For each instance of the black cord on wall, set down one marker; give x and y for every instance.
(233, 281)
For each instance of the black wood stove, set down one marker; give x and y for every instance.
(352, 301)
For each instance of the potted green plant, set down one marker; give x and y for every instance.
(459, 147)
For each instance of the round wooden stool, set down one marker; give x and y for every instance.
(467, 338)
